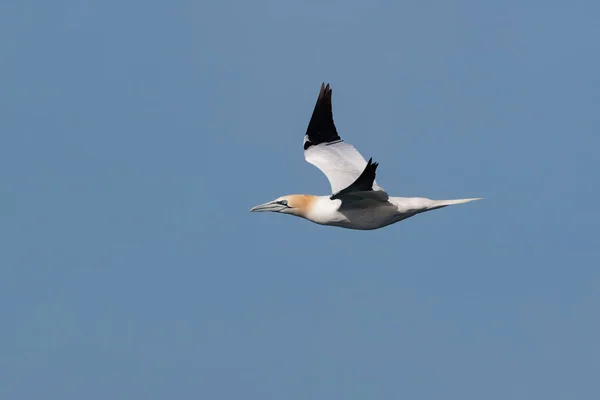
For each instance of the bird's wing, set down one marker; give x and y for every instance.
(323, 147)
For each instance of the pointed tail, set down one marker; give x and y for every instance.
(435, 204)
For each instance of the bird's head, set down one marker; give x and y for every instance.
(295, 204)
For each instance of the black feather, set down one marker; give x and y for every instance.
(363, 183)
(321, 128)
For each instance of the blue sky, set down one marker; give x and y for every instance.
(136, 135)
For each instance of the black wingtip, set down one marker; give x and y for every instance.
(324, 94)
(321, 128)
(371, 165)
(364, 182)
(370, 170)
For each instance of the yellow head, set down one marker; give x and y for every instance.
(295, 204)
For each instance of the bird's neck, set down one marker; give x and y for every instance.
(319, 209)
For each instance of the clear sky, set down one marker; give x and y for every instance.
(136, 135)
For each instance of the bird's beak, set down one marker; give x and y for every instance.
(270, 206)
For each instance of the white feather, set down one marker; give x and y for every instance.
(340, 162)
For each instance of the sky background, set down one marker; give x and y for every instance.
(136, 135)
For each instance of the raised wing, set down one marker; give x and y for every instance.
(323, 147)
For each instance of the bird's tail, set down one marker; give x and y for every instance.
(443, 203)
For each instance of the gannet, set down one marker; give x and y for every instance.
(357, 201)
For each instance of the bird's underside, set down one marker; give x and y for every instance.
(357, 201)
(368, 210)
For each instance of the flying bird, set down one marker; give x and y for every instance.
(357, 201)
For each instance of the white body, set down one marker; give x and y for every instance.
(367, 211)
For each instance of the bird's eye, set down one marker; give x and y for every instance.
(283, 202)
